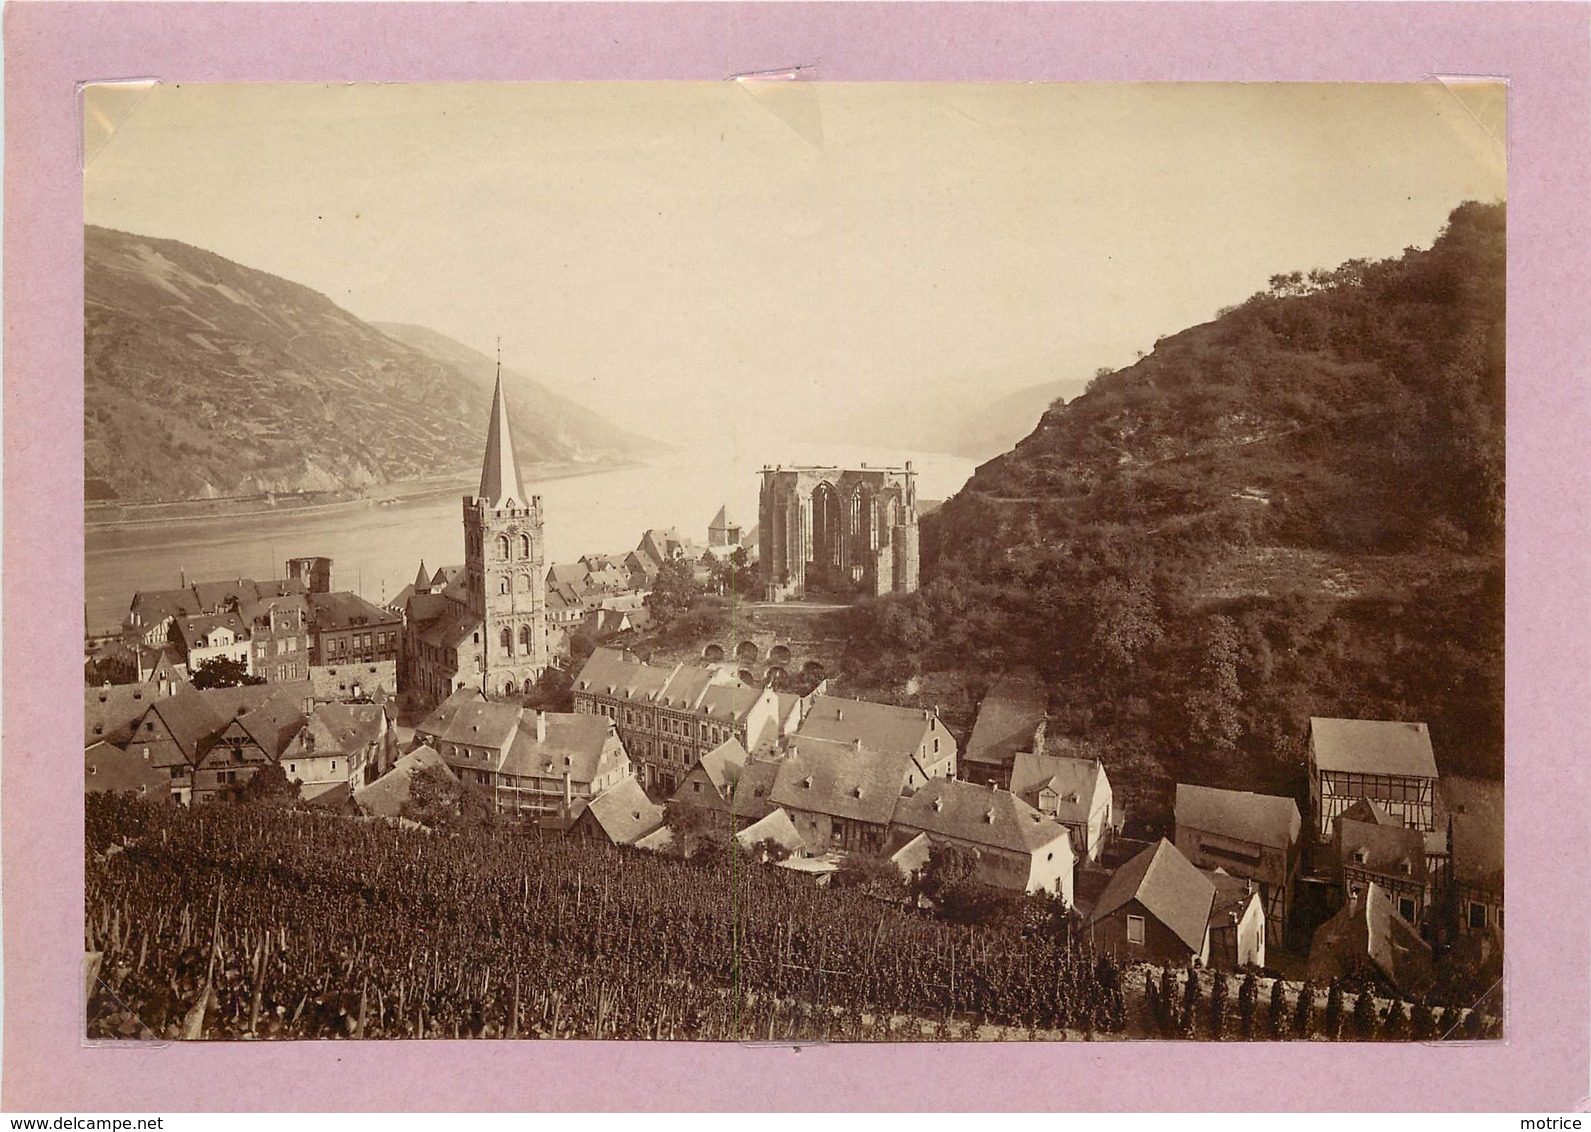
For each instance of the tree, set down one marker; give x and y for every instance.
(949, 866)
(1218, 1006)
(1364, 1015)
(1168, 1002)
(1126, 622)
(674, 589)
(689, 824)
(1396, 1027)
(270, 786)
(1422, 1026)
(1248, 1001)
(1278, 1010)
(223, 672)
(1332, 1022)
(439, 800)
(1304, 1011)
(870, 872)
(1188, 1023)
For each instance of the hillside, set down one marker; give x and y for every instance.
(204, 378)
(1293, 510)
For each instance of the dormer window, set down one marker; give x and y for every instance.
(807, 782)
(1359, 856)
(988, 817)
(1405, 868)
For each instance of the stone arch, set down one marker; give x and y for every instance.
(508, 687)
(713, 653)
(524, 583)
(813, 672)
(747, 652)
(828, 532)
(780, 655)
(777, 678)
(746, 677)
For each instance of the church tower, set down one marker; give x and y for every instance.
(506, 564)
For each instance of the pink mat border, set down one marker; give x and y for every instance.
(1542, 50)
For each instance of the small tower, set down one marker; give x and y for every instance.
(505, 564)
(723, 530)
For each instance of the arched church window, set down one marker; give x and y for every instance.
(502, 586)
(524, 546)
(524, 583)
(502, 547)
(506, 640)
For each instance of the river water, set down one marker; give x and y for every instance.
(376, 550)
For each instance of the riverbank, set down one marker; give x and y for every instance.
(112, 515)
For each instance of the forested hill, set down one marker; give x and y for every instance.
(1293, 510)
(202, 377)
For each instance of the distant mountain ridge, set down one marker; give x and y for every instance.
(204, 378)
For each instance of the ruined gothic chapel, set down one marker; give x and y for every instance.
(839, 532)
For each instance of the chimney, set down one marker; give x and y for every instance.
(568, 794)
(857, 744)
(839, 713)
(541, 727)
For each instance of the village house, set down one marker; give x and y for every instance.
(1155, 909)
(841, 796)
(387, 795)
(340, 748)
(279, 639)
(1248, 835)
(1370, 847)
(210, 743)
(669, 718)
(1072, 791)
(753, 790)
(111, 711)
(1237, 922)
(1388, 763)
(1018, 849)
(109, 769)
(153, 612)
(541, 766)
(1369, 932)
(710, 785)
(347, 629)
(777, 828)
(885, 728)
(1010, 723)
(620, 815)
(1475, 836)
(206, 637)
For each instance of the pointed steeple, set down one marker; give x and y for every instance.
(499, 471)
(422, 580)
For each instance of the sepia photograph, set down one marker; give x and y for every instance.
(790, 561)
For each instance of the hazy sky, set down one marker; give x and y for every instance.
(714, 258)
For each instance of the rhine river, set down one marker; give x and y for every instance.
(376, 549)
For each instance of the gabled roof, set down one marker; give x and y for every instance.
(109, 768)
(981, 815)
(1077, 783)
(1369, 927)
(467, 719)
(1386, 849)
(880, 727)
(1010, 713)
(753, 789)
(1167, 885)
(625, 813)
(195, 718)
(1260, 819)
(193, 631)
(499, 470)
(1475, 807)
(1363, 809)
(1233, 895)
(275, 721)
(844, 782)
(722, 521)
(1372, 746)
(345, 728)
(422, 580)
(583, 746)
(110, 713)
(387, 794)
(610, 672)
(776, 827)
(722, 765)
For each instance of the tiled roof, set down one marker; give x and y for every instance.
(860, 785)
(1373, 746)
(499, 470)
(1260, 819)
(880, 727)
(1369, 927)
(1169, 888)
(1363, 809)
(722, 765)
(345, 728)
(194, 630)
(1393, 850)
(753, 789)
(625, 813)
(109, 768)
(1232, 896)
(275, 721)
(387, 794)
(982, 815)
(1076, 782)
(111, 713)
(469, 720)
(1476, 809)
(1011, 711)
(577, 745)
(776, 827)
(344, 610)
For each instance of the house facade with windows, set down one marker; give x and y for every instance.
(347, 629)
(1371, 848)
(1254, 836)
(341, 747)
(210, 743)
(1387, 763)
(1074, 792)
(841, 796)
(1017, 848)
(669, 718)
(710, 785)
(916, 733)
(1156, 909)
(1475, 851)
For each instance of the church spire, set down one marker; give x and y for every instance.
(499, 471)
